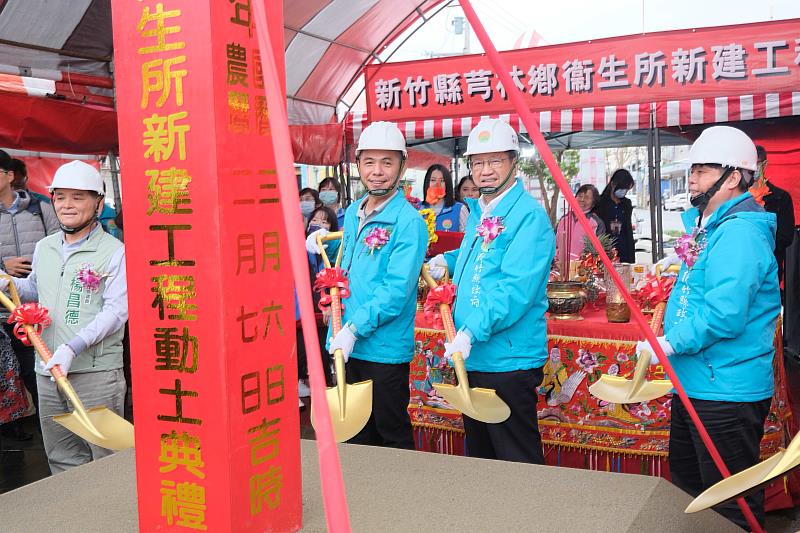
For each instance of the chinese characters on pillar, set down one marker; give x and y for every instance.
(259, 324)
(175, 348)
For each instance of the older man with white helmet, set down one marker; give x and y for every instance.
(501, 272)
(78, 274)
(384, 246)
(720, 319)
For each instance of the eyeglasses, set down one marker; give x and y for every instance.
(493, 163)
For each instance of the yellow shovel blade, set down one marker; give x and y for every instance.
(113, 431)
(483, 405)
(790, 458)
(744, 482)
(616, 389)
(349, 418)
(479, 404)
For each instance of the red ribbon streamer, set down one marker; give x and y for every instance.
(329, 278)
(656, 289)
(30, 314)
(443, 294)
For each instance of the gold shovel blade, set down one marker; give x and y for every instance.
(116, 432)
(349, 418)
(744, 482)
(616, 389)
(483, 405)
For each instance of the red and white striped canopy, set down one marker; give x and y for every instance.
(608, 118)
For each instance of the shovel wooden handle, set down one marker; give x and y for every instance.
(34, 337)
(658, 317)
(336, 301)
(444, 309)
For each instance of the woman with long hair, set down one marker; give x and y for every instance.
(438, 192)
(616, 212)
(466, 188)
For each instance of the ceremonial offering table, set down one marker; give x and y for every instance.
(579, 430)
(382, 486)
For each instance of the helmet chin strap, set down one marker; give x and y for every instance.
(701, 200)
(493, 190)
(378, 193)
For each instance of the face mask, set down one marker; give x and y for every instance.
(306, 207)
(434, 195)
(757, 174)
(329, 197)
(620, 193)
(312, 228)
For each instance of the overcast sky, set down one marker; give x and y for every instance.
(564, 21)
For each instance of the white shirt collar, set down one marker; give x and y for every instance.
(487, 208)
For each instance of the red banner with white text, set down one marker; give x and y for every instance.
(675, 65)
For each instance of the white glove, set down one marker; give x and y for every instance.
(344, 340)
(645, 345)
(62, 357)
(437, 267)
(311, 241)
(665, 263)
(4, 281)
(461, 343)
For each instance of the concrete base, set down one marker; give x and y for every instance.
(393, 490)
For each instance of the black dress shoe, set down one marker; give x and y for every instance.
(16, 433)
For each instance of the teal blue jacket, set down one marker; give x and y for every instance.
(383, 284)
(500, 292)
(721, 315)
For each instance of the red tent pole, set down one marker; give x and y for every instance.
(532, 125)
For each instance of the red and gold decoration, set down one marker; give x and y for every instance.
(29, 314)
(329, 278)
(579, 430)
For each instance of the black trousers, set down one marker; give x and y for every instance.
(517, 438)
(736, 429)
(389, 424)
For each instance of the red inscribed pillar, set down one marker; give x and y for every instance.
(210, 289)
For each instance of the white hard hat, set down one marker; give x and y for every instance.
(723, 145)
(491, 135)
(382, 135)
(78, 175)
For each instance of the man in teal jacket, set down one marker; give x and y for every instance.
(721, 316)
(501, 272)
(384, 246)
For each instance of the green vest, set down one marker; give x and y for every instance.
(71, 305)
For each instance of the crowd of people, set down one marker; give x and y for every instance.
(718, 328)
(719, 323)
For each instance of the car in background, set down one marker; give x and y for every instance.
(677, 202)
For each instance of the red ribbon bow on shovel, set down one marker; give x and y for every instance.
(656, 289)
(30, 314)
(329, 278)
(443, 294)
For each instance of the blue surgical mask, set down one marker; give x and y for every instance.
(620, 193)
(329, 197)
(312, 228)
(306, 207)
